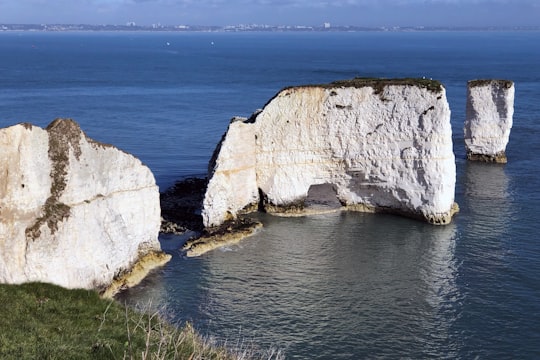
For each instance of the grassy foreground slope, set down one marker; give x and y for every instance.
(43, 321)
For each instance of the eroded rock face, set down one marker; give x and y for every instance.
(73, 212)
(384, 145)
(489, 118)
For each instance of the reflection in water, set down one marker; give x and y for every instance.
(489, 320)
(487, 199)
(352, 285)
(342, 285)
(339, 285)
(441, 291)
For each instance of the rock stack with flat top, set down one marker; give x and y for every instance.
(489, 117)
(383, 145)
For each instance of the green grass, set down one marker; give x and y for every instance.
(43, 321)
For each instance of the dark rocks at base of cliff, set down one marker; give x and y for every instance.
(181, 206)
(499, 158)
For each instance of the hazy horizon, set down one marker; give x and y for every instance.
(369, 13)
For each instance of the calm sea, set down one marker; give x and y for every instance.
(321, 287)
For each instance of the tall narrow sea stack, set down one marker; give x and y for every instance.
(383, 145)
(489, 117)
(74, 212)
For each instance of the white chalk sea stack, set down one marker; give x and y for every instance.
(383, 145)
(489, 118)
(74, 212)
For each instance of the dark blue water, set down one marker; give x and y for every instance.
(332, 286)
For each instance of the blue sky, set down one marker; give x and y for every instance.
(276, 12)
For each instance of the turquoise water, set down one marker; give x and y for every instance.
(332, 286)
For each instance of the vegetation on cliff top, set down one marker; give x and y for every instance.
(378, 84)
(483, 82)
(43, 321)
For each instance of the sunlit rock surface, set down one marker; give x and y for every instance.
(383, 145)
(489, 118)
(74, 212)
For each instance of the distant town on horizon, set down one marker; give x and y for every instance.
(325, 27)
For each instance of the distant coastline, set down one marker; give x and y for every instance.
(249, 28)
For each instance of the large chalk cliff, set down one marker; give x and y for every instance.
(384, 145)
(72, 211)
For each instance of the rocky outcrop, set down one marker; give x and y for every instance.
(489, 117)
(228, 234)
(74, 212)
(181, 206)
(382, 145)
(181, 215)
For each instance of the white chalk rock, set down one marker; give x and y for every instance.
(234, 185)
(384, 145)
(73, 212)
(489, 117)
